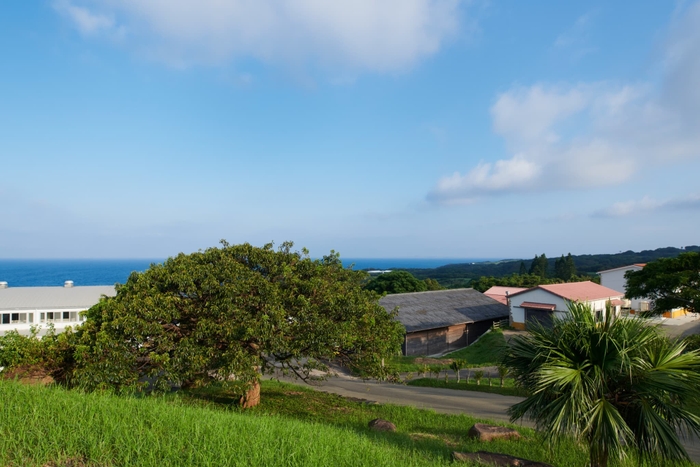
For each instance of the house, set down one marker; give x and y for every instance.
(543, 302)
(501, 294)
(439, 321)
(23, 307)
(615, 279)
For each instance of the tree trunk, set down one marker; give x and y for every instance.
(252, 396)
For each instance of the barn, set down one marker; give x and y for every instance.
(440, 321)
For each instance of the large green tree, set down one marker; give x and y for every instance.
(539, 266)
(669, 283)
(564, 268)
(228, 314)
(617, 384)
(396, 282)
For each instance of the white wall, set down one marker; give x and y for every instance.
(542, 296)
(615, 279)
(40, 318)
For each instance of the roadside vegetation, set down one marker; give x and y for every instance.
(508, 389)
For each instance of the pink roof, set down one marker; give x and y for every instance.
(579, 291)
(498, 292)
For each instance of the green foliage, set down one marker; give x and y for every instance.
(432, 284)
(459, 275)
(502, 373)
(522, 270)
(564, 268)
(18, 350)
(692, 343)
(457, 365)
(226, 315)
(396, 282)
(508, 388)
(616, 384)
(539, 266)
(670, 283)
(478, 375)
(52, 352)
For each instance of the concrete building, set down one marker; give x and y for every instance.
(543, 302)
(501, 293)
(23, 307)
(440, 321)
(615, 279)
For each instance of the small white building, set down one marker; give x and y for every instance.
(543, 302)
(23, 307)
(615, 279)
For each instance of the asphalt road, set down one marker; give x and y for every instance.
(449, 401)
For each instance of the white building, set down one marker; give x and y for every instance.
(23, 307)
(615, 279)
(543, 302)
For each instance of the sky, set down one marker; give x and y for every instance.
(375, 128)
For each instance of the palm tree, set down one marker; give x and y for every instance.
(617, 384)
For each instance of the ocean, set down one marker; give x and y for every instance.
(48, 272)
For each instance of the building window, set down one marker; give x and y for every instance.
(6, 318)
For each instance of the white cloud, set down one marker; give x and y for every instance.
(647, 205)
(587, 135)
(87, 22)
(356, 34)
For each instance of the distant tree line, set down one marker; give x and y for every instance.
(460, 275)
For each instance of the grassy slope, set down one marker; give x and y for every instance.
(294, 426)
(486, 351)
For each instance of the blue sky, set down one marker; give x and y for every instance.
(394, 128)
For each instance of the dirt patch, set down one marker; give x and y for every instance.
(28, 374)
(293, 393)
(70, 462)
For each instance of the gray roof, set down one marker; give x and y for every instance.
(53, 298)
(440, 308)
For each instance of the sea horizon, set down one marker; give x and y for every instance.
(36, 272)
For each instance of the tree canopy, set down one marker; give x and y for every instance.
(564, 268)
(398, 282)
(539, 266)
(617, 384)
(228, 314)
(669, 283)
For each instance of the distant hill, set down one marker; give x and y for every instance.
(453, 275)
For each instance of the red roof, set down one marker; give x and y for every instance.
(538, 306)
(498, 292)
(579, 291)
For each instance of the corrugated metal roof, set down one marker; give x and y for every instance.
(53, 298)
(440, 308)
(578, 291)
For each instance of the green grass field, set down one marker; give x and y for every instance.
(293, 426)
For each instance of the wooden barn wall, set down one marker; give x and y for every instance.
(435, 341)
(476, 330)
